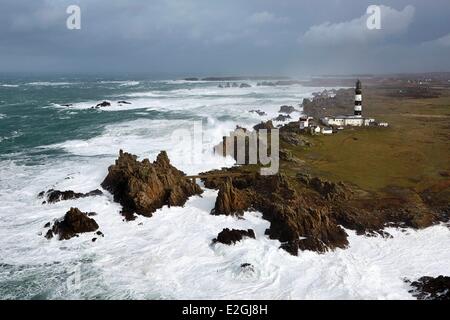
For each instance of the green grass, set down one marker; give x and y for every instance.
(410, 154)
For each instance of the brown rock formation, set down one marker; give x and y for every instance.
(230, 200)
(429, 288)
(328, 190)
(437, 197)
(143, 187)
(297, 220)
(53, 196)
(306, 212)
(73, 223)
(282, 117)
(289, 134)
(287, 109)
(229, 237)
(268, 125)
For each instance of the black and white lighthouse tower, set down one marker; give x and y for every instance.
(358, 99)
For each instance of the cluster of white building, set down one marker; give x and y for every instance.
(308, 123)
(330, 124)
(344, 121)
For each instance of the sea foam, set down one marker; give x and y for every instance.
(171, 254)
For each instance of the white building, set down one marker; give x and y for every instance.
(305, 122)
(314, 129)
(344, 121)
(327, 130)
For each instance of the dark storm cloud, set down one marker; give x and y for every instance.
(205, 37)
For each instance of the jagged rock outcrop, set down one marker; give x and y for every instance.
(258, 112)
(53, 196)
(287, 109)
(282, 117)
(327, 189)
(103, 104)
(371, 215)
(230, 200)
(73, 223)
(268, 125)
(227, 236)
(436, 197)
(299, 221)
(245, 85)
(307, 212)
(287, 156)
(142, 187)
(294, 139)
(429, 288)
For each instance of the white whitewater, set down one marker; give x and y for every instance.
(170, 255)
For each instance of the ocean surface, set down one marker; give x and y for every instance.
(51, 137)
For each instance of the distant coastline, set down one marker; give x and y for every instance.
(238, 78)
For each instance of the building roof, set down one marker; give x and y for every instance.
(346, 117)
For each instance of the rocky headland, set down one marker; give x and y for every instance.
(308, 212)
(306, 209)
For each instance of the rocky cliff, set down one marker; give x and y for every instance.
(307, 212)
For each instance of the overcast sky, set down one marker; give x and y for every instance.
(290, 37)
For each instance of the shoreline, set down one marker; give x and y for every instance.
(187, 232)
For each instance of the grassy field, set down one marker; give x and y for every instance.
(413, 153)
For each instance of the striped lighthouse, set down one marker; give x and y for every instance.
(358, 99)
